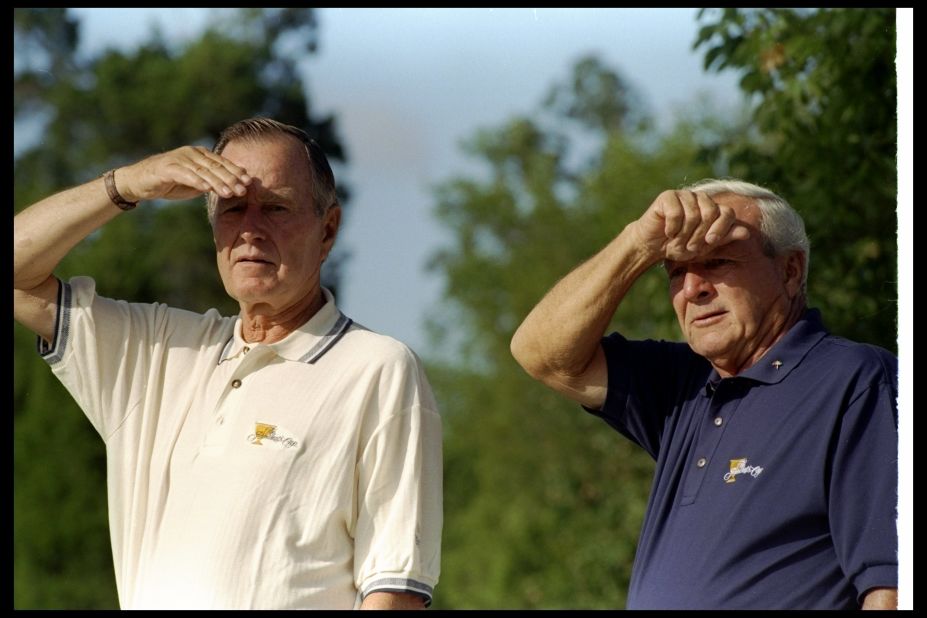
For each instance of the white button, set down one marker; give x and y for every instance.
(247, 349)
(718, 421)
(701, 462)
(236, 383)
(220, 420)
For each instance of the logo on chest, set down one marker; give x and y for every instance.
(739, 466)
(273, 434)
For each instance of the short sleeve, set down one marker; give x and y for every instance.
(863, 490)
(645, 380)
(111, 354)
(100, 352)
(399, 513)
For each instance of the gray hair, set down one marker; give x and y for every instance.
(324, 193)
(782, 227)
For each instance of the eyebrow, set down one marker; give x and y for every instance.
(264, 195)
(285, 193)
(719, 253)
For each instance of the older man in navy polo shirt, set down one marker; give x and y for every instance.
(775, 441)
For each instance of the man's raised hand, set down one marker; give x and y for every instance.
(682, 225)
(180, 174)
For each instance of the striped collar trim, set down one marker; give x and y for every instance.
(306, 344)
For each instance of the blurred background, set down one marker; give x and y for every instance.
(482, 154)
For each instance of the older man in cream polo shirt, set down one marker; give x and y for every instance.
(285, 458)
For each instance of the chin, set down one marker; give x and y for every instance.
(251, 294)
(706, 349)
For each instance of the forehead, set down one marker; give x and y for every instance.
(273, 160)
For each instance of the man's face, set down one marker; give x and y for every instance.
(734, 302)
(270, 243)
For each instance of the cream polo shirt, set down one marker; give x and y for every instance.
(302, 474)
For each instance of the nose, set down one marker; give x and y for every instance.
(253, 223)
(695, 287)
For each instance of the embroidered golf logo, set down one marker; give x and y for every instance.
(276, 435)
(261, 431)
(739, 466)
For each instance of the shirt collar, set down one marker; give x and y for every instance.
(785, 355)
(305, 344)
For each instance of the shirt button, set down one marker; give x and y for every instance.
(701, 462)
(718, 421)
(247, 349)
(220, 420)
(236, 383)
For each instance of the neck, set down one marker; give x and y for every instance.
(262, 324)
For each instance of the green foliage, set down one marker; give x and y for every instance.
(44, 41)
(544, 502)
(61, 555)
(824, 136)
(542, 505)
(599, 99)
(97, 113)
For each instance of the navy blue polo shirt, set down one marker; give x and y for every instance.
(773, 489)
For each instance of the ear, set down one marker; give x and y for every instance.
(331, 222)
(793, 271)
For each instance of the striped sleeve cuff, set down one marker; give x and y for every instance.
(53, 353)
(399, 584)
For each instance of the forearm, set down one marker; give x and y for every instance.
(393, 600)
(561, 334)
(881, 598)
(46, 231)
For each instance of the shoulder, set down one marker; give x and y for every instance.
(82, 291)
(385, 367)
(379, 348)
(837, 364)
(160, 320)
(371, 352)
(638, 353)
(616, 339)
(862, 358)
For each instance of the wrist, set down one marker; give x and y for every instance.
(642, 253)
(109, 181)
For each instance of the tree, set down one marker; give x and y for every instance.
(824, 135)
(96, 113)
(544, 503)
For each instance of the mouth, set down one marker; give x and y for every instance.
(709, 318)
(254, 260)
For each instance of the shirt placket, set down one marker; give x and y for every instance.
(714, 419)
(230, 404)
